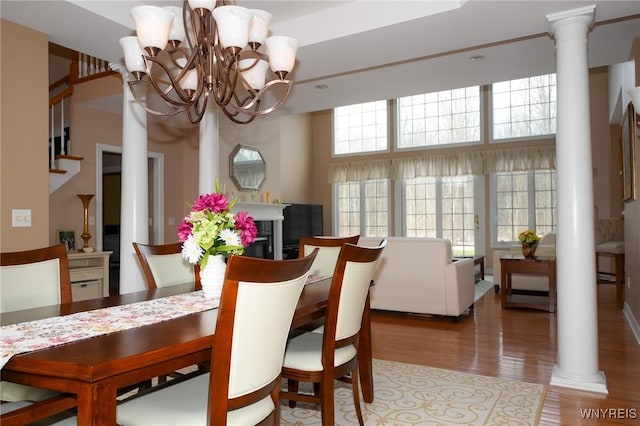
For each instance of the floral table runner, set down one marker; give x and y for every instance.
(40, 334)
(44, 333)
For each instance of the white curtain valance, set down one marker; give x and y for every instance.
(518, 159)
(457, 164)
(463, 163)
(359, 171)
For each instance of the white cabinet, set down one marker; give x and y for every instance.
(89, 274)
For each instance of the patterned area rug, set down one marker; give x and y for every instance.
(482, 287)
(407, 394)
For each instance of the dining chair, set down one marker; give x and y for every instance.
(164, 266)
(30, 279)
(257, 305)
(329, 249)
(321, 358)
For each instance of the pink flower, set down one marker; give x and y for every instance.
(247, 228)
(184, 231)
(213, 202)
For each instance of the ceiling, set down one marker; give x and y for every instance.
(363, 50)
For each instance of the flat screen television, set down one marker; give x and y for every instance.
(301, 220)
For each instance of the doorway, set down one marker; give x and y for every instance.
(108, 205)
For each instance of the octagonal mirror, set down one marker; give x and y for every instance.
(247, 168)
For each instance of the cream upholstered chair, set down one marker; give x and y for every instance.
(34, 278)
(323, 358)
(609, 234)
(163, 265)
(257, 305)
(30, 279)
(327, 256)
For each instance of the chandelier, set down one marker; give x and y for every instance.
(181, 57)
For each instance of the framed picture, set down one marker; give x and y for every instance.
(628, 154)
(68, 238)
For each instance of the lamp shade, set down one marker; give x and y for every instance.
(254, 74)
(176, 31)
(202, 4)
(282, 53)
(233, 25)
(152, 26)
(259, 26)
(132, 54)
(635, 97)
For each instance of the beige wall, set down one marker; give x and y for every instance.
(24, 136)
(99, 127)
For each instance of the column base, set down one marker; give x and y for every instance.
(596, 384)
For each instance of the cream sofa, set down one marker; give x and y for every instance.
(419, 275)
(546, 247)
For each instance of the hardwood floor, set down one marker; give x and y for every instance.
(521, 344)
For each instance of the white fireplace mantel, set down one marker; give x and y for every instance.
(266, 212)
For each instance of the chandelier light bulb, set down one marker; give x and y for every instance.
(176, 31)
(259, 28)
(233, 26)
(282, 54)
(255, 73)
(152, 27)
(133, 56)
(202, 4)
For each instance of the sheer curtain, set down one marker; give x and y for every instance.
(456, 164)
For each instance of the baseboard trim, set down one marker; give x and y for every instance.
(631, 320)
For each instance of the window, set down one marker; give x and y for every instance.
(362, 208)
(439, 118)
(442, 208)
(360, 128)
(523, 200)
(524, 108)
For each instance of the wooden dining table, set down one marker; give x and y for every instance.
(94, 369)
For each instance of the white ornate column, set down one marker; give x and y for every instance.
(209, 155)
(134, 210)
(577, 314)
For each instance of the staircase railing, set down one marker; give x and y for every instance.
(83, 68)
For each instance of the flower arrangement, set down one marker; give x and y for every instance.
(528, 237)
(211, 229)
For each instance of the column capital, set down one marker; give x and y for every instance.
(585, 15)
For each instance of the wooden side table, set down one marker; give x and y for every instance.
(517, 264)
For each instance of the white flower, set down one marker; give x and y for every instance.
(230, 237)
(191, 251)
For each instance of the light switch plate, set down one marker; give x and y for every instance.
(21, 218)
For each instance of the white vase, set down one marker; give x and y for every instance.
(212, 277)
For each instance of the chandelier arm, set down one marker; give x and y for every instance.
(232, 116)
(141, 102)
(252, 107)
(173, 85)
(207, 69)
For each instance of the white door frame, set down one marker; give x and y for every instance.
(157, 216)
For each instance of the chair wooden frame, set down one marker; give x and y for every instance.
(58, 251)
(243, 273)
(323, 380)
(144, 250)
(56, 404)
(39, 410)
(324, 243)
